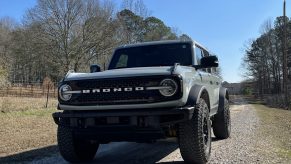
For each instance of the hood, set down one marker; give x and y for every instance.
(124, 72)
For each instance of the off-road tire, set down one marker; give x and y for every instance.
(222, 123)
(73, 150)
(194, 143)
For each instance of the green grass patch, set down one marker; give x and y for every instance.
(276, 127)
(285, 153)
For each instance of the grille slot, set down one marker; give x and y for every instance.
(123, 97)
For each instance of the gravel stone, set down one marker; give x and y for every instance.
(243, 147)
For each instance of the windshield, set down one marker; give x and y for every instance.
(152, 55)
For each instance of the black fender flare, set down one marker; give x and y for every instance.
(223, 94)
(195, 93)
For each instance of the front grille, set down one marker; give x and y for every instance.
(114, 98)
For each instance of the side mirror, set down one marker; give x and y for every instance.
(208, 62)
(95, 68)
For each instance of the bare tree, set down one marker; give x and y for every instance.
(61, 35)
(136, 6)
(76, 31)
(263, 58)
(7, 25)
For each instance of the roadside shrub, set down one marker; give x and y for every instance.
(247, 91)
(47, 82)
(275, 101)
(4, 82)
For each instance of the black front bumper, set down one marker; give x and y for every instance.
(122, 125)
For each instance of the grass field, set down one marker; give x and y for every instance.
(26, 124)
(275, 126)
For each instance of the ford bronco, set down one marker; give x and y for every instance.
(150, 91)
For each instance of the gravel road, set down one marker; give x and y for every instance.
(244, 146)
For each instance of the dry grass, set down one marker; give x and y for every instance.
(12, 104)
(275, 126)
(25, 124)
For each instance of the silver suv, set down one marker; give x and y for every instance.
(150, 91)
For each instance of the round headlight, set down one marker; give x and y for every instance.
(64, 93)
(170, 87)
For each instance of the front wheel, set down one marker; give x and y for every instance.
(195, 135)
(73, 150)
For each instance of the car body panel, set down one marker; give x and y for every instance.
(124, 72)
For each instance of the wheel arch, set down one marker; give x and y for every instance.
(196, 92)
(223, 94)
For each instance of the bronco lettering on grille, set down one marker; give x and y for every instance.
(107, 90)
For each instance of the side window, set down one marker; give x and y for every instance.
(198, 54)
(122, 62)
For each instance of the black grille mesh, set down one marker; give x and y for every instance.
(113, 98)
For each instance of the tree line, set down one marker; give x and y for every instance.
(263, 59)
(60, 35)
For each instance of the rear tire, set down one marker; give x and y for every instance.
(222, 122)
(73, 150)
(195, 135)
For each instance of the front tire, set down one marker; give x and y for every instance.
(73, 150)
(195, 135)
(222, 122)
